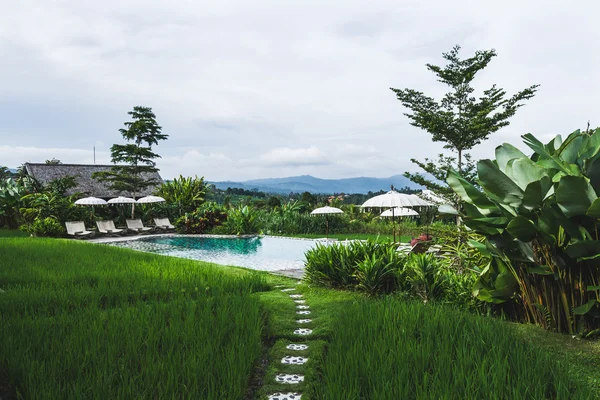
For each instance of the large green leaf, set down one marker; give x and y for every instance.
(594, 210)
(536, 192)
(447, 209)
(505, 153)
(522, 228)
(467, 192)
(523, 171)
(574, 195)
(592, 146)
(585, 308)
(571, 146)
(498, 185)
(584, 249)
(592, 171)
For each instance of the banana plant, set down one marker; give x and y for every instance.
(540, 215)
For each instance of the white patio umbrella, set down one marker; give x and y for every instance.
(399, 212)
(150, 199)
(90, 201)
(121, 200)
(326, 211)
(393, 199)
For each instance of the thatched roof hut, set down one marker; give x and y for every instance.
(45, 173)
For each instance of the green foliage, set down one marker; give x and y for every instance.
(11, 192)
(137, 158)
(539, 215)
(393, 349)
(242, 221)
(183, 194)
(85, 321)
(460, 120)
(425, 276)
(203, 220)
(48, 226)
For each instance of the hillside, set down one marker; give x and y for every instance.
(307, 183)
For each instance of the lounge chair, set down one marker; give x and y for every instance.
(418, 248)
(77, 229)
(136, 225)
(108, 227)
(163, 223)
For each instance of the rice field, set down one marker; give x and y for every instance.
(91, 321)
(391, 349)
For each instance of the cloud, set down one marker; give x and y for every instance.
(246, 90)
(285, 156)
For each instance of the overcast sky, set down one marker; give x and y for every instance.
(278, 88)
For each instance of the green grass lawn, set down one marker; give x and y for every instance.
(354, 236)
(92, 321)
(12, 233)
(80, 320)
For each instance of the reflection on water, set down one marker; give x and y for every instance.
(265, 253)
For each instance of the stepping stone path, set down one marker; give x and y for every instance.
(302, 331)
(294, 360)
(285, 396)
(289, 379)
(297, 347)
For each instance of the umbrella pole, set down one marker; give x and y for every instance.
(394, 224)
(326, 227)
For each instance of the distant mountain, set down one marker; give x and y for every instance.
(307, 183)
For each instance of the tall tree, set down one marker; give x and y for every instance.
(136, 159)
(460, 120)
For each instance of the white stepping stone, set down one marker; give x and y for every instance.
(285, 396)
(296, 296)
(302, 331)
(305, 312)
(299, 301)
(288, 378)
(299, 282)
(278, 286)
(297, 347)
(302, 307)
(288, 289)
(303, 321)
(294, 360)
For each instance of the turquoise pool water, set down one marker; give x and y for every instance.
(262, 253)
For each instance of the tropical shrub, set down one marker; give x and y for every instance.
(202, 220)
(49, 226)
(425, 276)
(183, 195)
(10, 197)
(540, 216)
(242, 221)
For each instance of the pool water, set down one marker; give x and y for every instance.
(262, 253)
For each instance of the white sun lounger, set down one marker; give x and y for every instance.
(108, 227)
(136, 225)
(163, 223)
(77, 229)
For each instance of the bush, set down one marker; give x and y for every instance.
(44, 227)
(203, 220)
(242, 221)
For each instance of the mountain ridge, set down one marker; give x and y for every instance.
(309, 183)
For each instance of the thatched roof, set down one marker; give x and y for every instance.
(45, 173)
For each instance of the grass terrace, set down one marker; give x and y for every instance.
(92, 321)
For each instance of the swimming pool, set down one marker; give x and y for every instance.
(262, 253)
